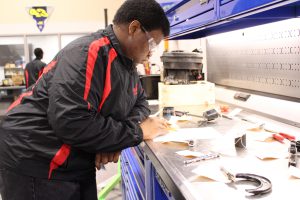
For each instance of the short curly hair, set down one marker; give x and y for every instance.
(38, 52)
(148, 12)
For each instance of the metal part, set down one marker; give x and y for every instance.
(202, 158)
(210, 114)
(168, 112)
(264, 184)
(229, 175)
(293, 154)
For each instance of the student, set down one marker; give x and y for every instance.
(34, 69)
(88, 101)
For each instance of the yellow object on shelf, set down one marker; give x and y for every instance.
(18, 80)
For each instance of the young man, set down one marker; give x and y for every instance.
(34, 69)
(88, 101)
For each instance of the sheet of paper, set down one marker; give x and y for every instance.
(267, 150)
(294, 171)
(190, 153)
(212, 172)
(185, 134)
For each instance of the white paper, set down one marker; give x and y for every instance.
(294, 171)
(190, 153)
(234, 112)
(265, 150)
(185, 134)
(212, 172)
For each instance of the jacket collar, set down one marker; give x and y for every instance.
(117, 46)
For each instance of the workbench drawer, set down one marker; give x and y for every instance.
(133, 178)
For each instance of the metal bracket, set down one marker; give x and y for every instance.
(264, 184)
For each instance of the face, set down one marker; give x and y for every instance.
(142, 42)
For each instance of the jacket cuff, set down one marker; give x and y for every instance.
(139, 135)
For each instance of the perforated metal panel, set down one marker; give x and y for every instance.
(264, 58)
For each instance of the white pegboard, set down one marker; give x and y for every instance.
(264, 58)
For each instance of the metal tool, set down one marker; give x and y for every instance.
(293, 154)
(279, 136)
(202, 158)
(229, 175)
(264, 184)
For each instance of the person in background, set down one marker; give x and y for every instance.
(34, 69)
(85, 108)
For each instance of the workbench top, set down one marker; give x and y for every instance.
(182, 183)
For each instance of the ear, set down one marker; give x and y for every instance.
(133, 27)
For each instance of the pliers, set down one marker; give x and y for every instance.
(281, 136)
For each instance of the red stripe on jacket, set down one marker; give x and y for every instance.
(41, 72)
(18, 101)
(29, 93)
(107, 87)
(60, 157)
(64, 152)
(91, 60)
(27, 78)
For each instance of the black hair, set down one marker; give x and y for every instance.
(38, 52)
(148, 12)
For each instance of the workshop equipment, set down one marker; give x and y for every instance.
(181, 80)
(182, 67)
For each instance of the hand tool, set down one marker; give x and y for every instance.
(279, 136)
(229, 175)
(201, 158)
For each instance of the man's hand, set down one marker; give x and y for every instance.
(104, 158)
(153, 127)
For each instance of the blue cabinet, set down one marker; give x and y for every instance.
(232, 7)
(200, 18)
(139, 178)
(188, 14)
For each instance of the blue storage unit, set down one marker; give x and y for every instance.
(139, 178)
(199, 18)
(188, 14)
(233, 7)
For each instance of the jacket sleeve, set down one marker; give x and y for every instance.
(141, 109)
(74, 120)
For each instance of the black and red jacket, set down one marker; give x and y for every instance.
(33, 71)
(89, 99)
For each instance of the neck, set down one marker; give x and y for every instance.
(121, 34)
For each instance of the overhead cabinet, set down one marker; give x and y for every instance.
(190, 14)
(199, 18)
(232, 7)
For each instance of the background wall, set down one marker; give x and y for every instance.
(67, 16)
(264, 58)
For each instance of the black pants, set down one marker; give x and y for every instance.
(19, 187)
